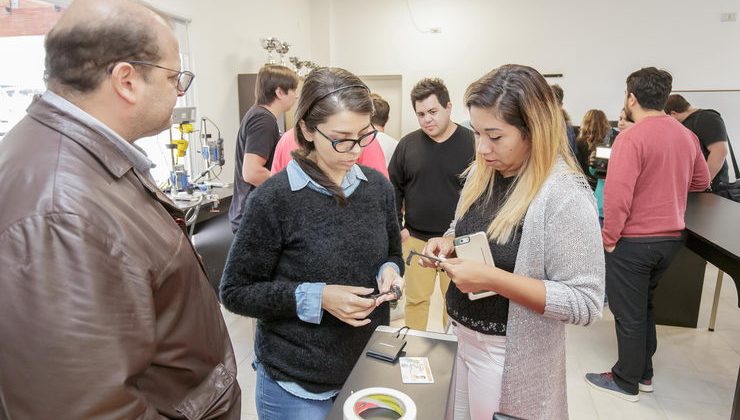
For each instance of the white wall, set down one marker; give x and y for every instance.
(225, 41)
(594, 45)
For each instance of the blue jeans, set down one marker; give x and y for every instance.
(275, 403)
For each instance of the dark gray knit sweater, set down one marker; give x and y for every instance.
(487, 315)
(290, 237)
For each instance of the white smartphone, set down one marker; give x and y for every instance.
(475, 247)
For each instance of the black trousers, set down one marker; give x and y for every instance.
(632, 273)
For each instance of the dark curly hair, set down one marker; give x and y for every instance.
(651, 87)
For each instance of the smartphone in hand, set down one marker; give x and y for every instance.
(475, 247)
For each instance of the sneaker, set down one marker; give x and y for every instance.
(646, 385)
(605, 382)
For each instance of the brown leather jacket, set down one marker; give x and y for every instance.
(105, 310)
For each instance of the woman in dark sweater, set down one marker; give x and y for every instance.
(317, 237)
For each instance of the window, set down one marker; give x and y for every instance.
(23, 26)
(156, 146)
(22, 29)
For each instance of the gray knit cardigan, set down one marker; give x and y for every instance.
(561, 245)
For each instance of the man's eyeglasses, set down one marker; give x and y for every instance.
(346, 145)
(184, 78)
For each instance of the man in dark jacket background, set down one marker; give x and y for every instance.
(105, 310)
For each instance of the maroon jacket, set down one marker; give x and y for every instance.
(105, 310)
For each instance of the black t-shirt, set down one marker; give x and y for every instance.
(426, 177)
(488, 315)
(708, 125)
(258, 135)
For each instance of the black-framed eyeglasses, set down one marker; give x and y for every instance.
(184, 78)
(346, 145)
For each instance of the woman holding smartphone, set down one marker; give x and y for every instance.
(316, 240)
(595, 131)
(524, 190)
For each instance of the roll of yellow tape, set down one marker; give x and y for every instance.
(364, 402)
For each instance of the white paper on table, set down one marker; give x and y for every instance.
(415, 370)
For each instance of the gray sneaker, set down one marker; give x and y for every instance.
(605, 382)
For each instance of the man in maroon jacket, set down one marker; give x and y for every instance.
(653, 167)
(105, 310)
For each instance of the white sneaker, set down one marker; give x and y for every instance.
(646, 385)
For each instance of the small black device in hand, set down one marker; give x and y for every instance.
(419, 254)
(502, 416)
(603, 152)
(395, 290)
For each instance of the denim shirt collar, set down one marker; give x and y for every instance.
(298, 179)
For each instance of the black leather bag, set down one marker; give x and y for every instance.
(728, 190)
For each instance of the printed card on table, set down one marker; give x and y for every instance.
(416, 370)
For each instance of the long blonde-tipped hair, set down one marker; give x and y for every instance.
(521, 97)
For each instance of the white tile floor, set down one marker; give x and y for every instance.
(695, 369)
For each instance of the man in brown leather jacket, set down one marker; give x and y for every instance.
(105, 310)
